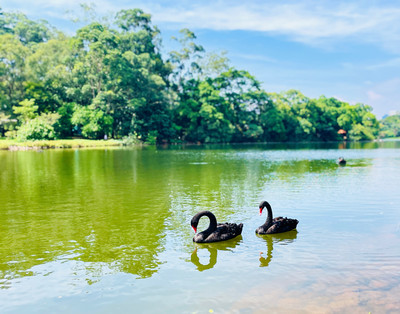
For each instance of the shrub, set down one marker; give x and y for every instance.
(39, 128)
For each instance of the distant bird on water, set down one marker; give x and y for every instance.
(215, 232)
(275, 225)
(341, 161)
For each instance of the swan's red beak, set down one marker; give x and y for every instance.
(195, 229)
(261, 210)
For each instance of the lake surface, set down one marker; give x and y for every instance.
(108, 230)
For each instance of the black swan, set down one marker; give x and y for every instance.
(215, 232)
(341, 161)
(276, 225)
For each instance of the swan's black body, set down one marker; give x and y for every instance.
(215, 232)
(275, 225)
(341, 161)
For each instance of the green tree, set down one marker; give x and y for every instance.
(3, 23)
(39, 128)
(359, 121)
(288, 119)
(271, 119)
(186, 61)
(147, 95)
(326, 123)
(12, 72)
(27, 31)
(48, 72)
(120, 74)
(6, 124)
(390, 126)
(243, 98)
(91, 122)
(27, 110)
(34, 126)
(110, 79)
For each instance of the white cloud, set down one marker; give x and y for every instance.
(307, 21)
(302, 21)
(391, 63)
(373, 96)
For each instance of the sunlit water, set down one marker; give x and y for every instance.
(108, 231)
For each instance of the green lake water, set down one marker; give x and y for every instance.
(108, 230)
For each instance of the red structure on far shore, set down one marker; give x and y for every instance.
(343, 133)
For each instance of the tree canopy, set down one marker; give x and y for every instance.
(111, 79)
(390, 126)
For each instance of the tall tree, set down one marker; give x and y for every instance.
(12, 71)
(28, 32)
(147, 81)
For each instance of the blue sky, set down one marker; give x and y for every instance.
(344, 49)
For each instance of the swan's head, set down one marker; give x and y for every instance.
(194, 224)
(262, 205)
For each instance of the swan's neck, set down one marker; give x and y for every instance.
(268, 222)
(213, 222)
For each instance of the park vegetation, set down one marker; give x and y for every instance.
(111, 80)
(390, 126)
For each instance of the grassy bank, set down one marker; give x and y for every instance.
(75, 143)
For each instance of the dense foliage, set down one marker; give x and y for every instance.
(110, 79)
(390, 126)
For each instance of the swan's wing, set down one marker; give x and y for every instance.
(281, 224)
(228, 230)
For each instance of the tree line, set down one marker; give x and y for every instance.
(111, 79)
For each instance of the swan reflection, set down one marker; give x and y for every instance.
(212, 248)
(281, 238)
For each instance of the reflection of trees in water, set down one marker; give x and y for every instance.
(105, 209)
(224, 182)
(116, 206)
(281, 238)
(130, 247)
(213, 249)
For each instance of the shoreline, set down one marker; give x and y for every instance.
(12, 145)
